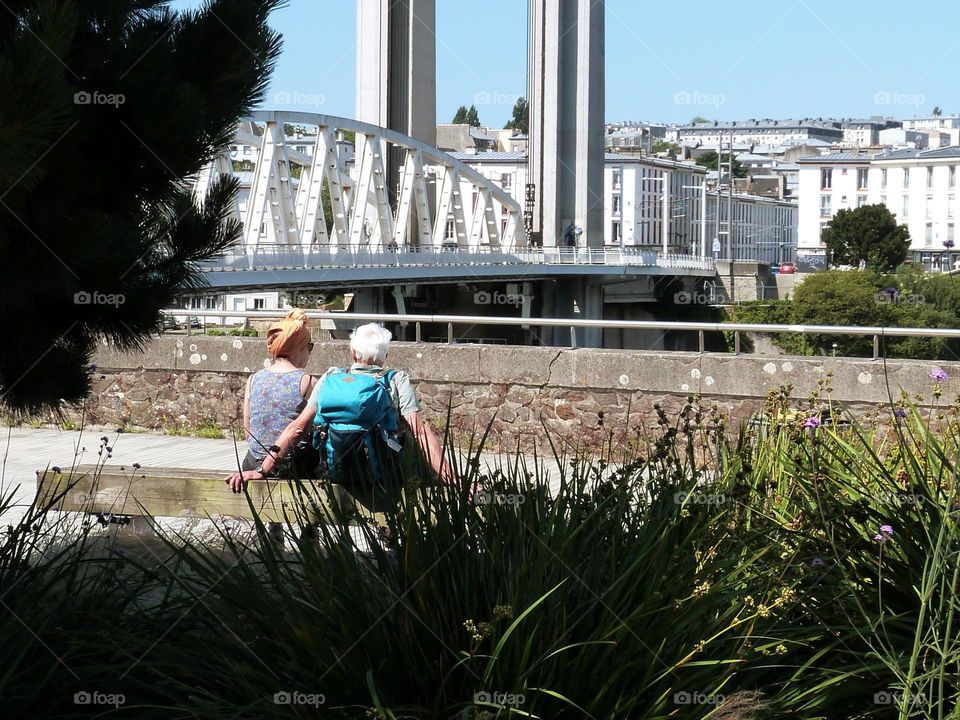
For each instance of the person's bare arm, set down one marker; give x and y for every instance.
(247, 432)
(428, 442)
(287, 438)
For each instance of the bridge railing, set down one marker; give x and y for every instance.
(277, 257)
(451, 321)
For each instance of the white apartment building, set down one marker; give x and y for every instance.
(903, 138)
(865, 132)
(949, 124)
(762, 132)
(918, 186)
(635, 206)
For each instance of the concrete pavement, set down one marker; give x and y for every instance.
(25, 450)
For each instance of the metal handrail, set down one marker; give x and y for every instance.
(701, 327)
(274, 256)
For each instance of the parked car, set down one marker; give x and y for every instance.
(788, 268)
(194, 321)
(169, 323)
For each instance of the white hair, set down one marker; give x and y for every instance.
(370, 343)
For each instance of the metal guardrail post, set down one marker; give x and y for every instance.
(701, 340)
(450, 333)
(876, 347)
(418, 332)
(736, 342)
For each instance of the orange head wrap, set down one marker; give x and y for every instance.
(287, 336)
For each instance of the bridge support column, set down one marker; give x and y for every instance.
(367, 300)
(574, 298)
(401, 310)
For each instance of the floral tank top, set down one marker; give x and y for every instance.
(275, 401)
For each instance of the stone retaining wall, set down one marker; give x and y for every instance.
(579, 395)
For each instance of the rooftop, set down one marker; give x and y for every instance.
(810, 123)
(952, 151)
(840, 157)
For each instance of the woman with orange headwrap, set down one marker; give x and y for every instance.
(276, 395)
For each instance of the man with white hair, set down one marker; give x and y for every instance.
(369, 345)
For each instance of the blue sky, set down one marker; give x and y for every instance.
(665, 61)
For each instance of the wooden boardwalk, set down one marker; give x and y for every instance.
(24, 450)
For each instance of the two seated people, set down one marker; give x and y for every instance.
(346, 425)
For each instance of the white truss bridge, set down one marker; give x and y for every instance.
(447, 221)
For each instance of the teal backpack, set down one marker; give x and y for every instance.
(356, 428)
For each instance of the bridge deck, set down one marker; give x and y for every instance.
(272, 266)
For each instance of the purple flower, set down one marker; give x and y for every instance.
(811, 422)
(948, 243)
(886, 529)
(900, 413)
(938, 374)
(817, 562)
(880, 538)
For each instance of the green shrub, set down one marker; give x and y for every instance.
(215, 332)
(209, 430)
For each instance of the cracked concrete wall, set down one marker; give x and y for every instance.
(579, 395)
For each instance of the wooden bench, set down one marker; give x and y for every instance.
(184, 493)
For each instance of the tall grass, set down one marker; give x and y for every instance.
(691, 571)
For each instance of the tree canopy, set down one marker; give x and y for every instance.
(467, 116)
(868, 233)
(910, 298)
(107, 109)
(521, 117)
(710, 160)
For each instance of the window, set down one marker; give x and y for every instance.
(450, 230)
(861, 200)
(616, 204)
(929, 235)
(906, 207)
(883, 179)
(506, 181)
(826, 178)
(929, 177)
(906, 178)
(615, 233)
(824, 206)
(258, 304)
(862, 178)
(950, 237)
(953, 176)
(616, 179)
(883, 200)
(951, 206)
